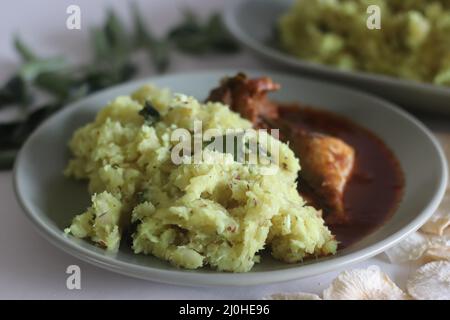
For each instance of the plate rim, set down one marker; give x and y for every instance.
(193, 278)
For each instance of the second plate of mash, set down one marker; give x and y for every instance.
(406, 60)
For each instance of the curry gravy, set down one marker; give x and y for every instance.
(375, 187)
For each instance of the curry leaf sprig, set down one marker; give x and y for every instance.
(112, 49)
(194, 37)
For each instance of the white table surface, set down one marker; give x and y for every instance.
(32, 268)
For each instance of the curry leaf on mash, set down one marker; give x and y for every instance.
(149, 113)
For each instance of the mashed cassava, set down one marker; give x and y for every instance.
(413, 41)
(216, 213)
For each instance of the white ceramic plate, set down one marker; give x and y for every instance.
(50, 200)
(252, 23)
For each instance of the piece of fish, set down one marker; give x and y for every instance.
(327, 164)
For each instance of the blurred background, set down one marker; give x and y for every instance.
(43, 24)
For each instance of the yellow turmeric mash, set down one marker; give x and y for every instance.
(219, 214)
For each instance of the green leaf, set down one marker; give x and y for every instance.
(219, 37)
(100, 44)
(150, 114)
(142, 36)
(30, 70)
(158, 49)
(13, 134)
(193, 37)
(15, 91)
(57, 84)
(126, 72)
(34, 65)
(160, 54)
(7, 158)
(187, 28)
(115, 34)
(193, 44)
(25, 53)
(190, 17)
(100, 77)
(33, 120)
(6, 135)
(114, 28)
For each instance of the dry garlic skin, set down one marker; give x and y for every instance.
(409, 249)
(363, 284)
(431, 281)
(216, 212)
